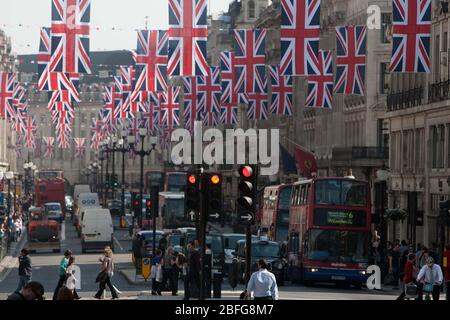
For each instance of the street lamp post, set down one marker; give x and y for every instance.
(102, 159)
(142, 154)
(123, 150)
(105, 148)
(383, 176)
(113, 150)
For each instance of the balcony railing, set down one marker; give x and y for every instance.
(404, 99)
(439, 91)
(370, 153)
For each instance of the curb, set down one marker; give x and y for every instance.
(5, 264)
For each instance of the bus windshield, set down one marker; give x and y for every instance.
(155, 179)
(175, 208)
(176, 182)
(215, 243)
(338, 246)
(340, 193)
(230, 241)
(50, 174)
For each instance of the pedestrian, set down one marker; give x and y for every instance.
(434, 252)
(105, 274)
(262, 284)
(162, 245)
(183, 266)
(403, 247)
(25, 270)
(32, 291)
(169, 261)
(194, 267)
(394, 262)
(430, 273)
(63, 264)
(408, 274)
(18, 225)
(71, 279)
(422, 259)
(156, 273)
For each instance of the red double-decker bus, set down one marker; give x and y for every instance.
(329, 231)
(154, 178)
(49, 187)
(275, 212)
(175, 181)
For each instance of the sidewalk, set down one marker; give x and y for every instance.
(10, 260)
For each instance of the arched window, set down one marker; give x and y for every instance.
(251, 9)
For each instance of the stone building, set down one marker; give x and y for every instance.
(418, 118)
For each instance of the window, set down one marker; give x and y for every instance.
(251, 9)
(437, 54)
(385, 24)
(441, 146)
(419, 150)
(340, 193)
(385, 80)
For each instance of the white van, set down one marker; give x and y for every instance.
(83, 201)
(80, 188)
(97, 230)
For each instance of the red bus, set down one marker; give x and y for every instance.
(154, 178)
(50, 187)
(175, 181)
(329, 231)
(275, 212)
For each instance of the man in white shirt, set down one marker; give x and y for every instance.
(263, 283)
(430, 273)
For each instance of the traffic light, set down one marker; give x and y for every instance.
(192, 196)
(115, 181)
(154, 196)
(213, 195)
(107, 181)
(247, 193)
(135, 203)
(148, 206)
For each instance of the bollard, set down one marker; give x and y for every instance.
(217, 286)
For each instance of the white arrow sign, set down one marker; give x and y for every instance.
(192, 214)
(216, 215)
(248, 217)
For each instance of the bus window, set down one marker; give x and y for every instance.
(308, 188)
(340, 193)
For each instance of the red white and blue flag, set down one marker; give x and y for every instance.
(49, 146)
(45, 52)
(188, 34)
(59, 81)
(300, 32)
(209, 94)
(18, 123)
(151, 117)
(109, 105)
(7, 84)
(258, 105)
(192, 108)
(80, 147)
(250, 60)
(282, 92)
(129, 107)
(30, 132)
(351, 60)
(151, 60)
(20, 99)
(320, 87)
(70, 36)
(229, 100)
(96, 133)
(411, 32)
(170, 107)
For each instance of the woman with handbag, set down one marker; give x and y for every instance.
(71, 280)
(157, 274)
(408, 279)
(106, 272)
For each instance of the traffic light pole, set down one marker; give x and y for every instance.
(248, 254)
(141, 184)
(113, 169)
(107, 180)
(202, 222)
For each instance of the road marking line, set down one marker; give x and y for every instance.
(63, 231)
(118, 243)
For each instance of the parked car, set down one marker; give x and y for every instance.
(261, 249)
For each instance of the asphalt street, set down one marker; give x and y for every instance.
(46, 271)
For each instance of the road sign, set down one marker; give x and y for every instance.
(246, 218)
(216, 215)
(192, 215)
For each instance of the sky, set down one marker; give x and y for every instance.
(124, 15)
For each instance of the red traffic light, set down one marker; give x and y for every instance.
(192, 179)
(136, 203)
(148, 203)
(246, 171)
(215, 179)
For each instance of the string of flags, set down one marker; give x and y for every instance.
(141, 97)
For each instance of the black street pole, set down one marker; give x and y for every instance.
(141, 183)
(113, 169)
(15, 194)
(154, 191)
(383, 228)
(123, 150)
(105, 196)
(101, 174)
(202, 222)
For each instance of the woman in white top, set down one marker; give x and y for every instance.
(106, 273)
(71, 280)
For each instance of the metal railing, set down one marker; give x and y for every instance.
(404, 99)
(439, 91)
(370, 153)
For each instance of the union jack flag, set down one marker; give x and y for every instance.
(411, 32)
(229, 100)
(59, 81)
(134, 126)
(151, 60)
(49, 146)
(170, 107)
(192, 109)
(320, 87)
(128, 107)
(188, 33)
(351, 60)
(61, 109)
(20, 101)
(45, 52)
(166, 136)
(30, 132)
(209, 95)
(18, 124)
(80, 147)
(258, 105)
(151, 117)
(300, 32)
(96, 133)
(109, 107)
(250, 60)
(63, 132)
(7, 84)
(70, 36)
(282, 92)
